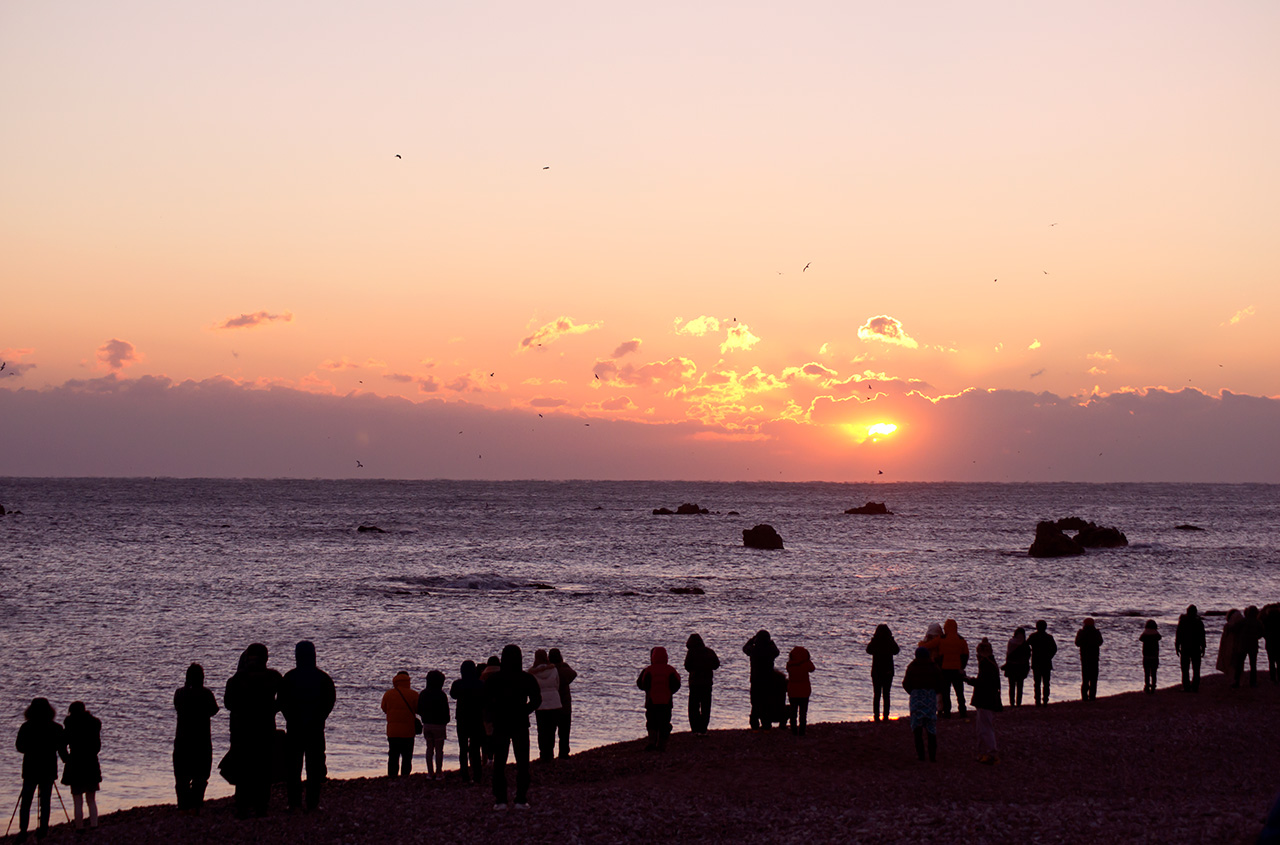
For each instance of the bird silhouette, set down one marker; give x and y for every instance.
(397, 155)
(548, 167)
(1046, 272)
(3, 364)
(359, 465)
(1053, 224)
(539, 416)
(490, 375)
(879, 472)
(805, 267)
(597, 376)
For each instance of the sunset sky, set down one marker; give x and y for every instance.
(570, 240)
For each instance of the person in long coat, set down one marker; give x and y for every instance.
(83, 774)
(193, 740)
(250, 698)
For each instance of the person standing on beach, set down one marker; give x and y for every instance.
(762, 651)
(1017, 665)
(986, 701)
(933, 641)
(510, 695)
(250, 698)
(1150, 639)
(491, 667)
(1043, 648)
(882, 649)
(433, 707)
(1251, 632)
(307, 696)
(659, 680)
(921, 683)
(567, 677)
(41, 741)
(955, 656)
(468, 692)
(799, 690)
(701, 663)
(1271, 633)
(82, 773)
(1089, 641)
(1227, 645)
(193, 740)
(548, 715)
(400, 703)
(1189, 644)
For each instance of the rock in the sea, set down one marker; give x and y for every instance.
(733, 513)
(871, 508)
(1, 510)
(663, 512)
(542, 586)
(1052, 542)
(763, 536)
(367, 529)
(1099, 537)
(686, 509)
(1188, 527)
(688, 591)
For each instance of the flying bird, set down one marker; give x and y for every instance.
(490, 375)
(1046, 272)
(805, 267)
(879, 472)
(359, 465)
(539, 416)
(1053, 224)
(3, 364)
(397, 155)
(548, 167)
(597, 376)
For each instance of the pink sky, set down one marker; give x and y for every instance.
(1042, 242)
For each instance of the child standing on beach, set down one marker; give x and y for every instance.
(1150, 639)
(986, 701)
(659, 682)
(433, 707)
(921, 683)
(798, 688)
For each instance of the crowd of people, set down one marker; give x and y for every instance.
(492, 706)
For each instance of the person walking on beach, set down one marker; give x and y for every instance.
(567, 677)
(307, 696)
(193, 740)
(468, 692)
(400, 703)
(882, 649)
(1228, 645)
(433, 707)
(659, 680)
(250, 698)
(1043, 648)
(762, 651)
(986, 701)
(1089, 641)
(1150, 639)
(82, 772)
(41, 741)
(700, 662)
(1017, 664)
(954, 652)
(921, 683)
(799, 667)
(1251, 631)
(1189, 644)
(548, 715)
(510, 695)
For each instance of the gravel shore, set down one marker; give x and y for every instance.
(1168, 767)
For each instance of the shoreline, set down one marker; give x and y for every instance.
(1169, 767)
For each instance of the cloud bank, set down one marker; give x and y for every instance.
(555, 330)
(886, 330)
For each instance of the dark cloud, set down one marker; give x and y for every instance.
(403, 378)
(248, 321)
(671, 371)
(1038, 373)
(428, 385)
(117, 354)
(627, 347)
(546, 402)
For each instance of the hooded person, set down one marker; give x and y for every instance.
(1227, 644)
(510, 695)
(1189, 644)
(954, 654)
(882, 649)
(400, 703)
(433, 707)
(1150, 639)
(307, 696)
(468, 692)
(193, 740)
(921, 682)
(762, 650)
(1089, 641)
(250, 698)
(986, 701)
(1043, 648)
(701, 663)
(567, 676)
(799, 690)
(548, 714)
(83, 774)
(659, 680)
(41, 741)
(1017, 664)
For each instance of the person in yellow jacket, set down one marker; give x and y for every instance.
(954, 653)
(400, 703)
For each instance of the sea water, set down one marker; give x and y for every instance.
(109, 588)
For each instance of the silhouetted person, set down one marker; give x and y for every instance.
(1043, 648)
(1089, 641)
(882, 649)
(799, 690)
(1150, 639)
(41, 741)
(659, 682)
(955, 656)
(250, 698)
(1017, 665)
(468, 692)
(567, 677)
(433, 707)
(510, 695)
(491, 667)
(986, 701)
(307, 696)
(1271, 633)
(400, 703)
(1227, 645)
(548, 715)
(762, 651)
(192, 741)
(921, 682)
(1189, 644)
(933, 641)
(701, 662)
(82, 774)
(1251, 631)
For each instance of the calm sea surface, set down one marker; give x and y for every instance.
(109, 588)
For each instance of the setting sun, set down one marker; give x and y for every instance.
(881, 429)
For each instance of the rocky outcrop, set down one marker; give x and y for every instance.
(370, 529)
(872, 508)
(1097, 537)
(688, 591)
(1188, 527)
(1053, 541)
(762, 536)
(687, 509)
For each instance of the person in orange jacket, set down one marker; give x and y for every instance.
(400, 703)
(954, 652)
(798, 688)
(659, 680)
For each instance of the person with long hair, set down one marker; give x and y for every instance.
(882, 648)
(41, 741)
(82, 773)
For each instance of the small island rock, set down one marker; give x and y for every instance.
(871, 508)
(370, 529)
(762, 536)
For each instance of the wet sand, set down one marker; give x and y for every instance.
(1169, 767)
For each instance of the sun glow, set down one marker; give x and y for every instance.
(881, 430)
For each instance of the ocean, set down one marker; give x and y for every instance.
(109, 588)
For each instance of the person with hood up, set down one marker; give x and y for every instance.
(659, 680)
(307, 696)
(762, 651)
(250, 698)
(921, 682)
(799, 667)
(510, 695)
(82, 772)
(433, 707)
(1089, 641)
(468, 692)
(700, 662)
(1189, 644)
(41, 741)
(1043, 648)
(1250, 633)
(1150, 639)
(567, 677)
(548, 715)
(1017, 664)
(400, 703)
(193, 740)
(986, 701)
(1227, 645)
(882, 649)
(954, 652)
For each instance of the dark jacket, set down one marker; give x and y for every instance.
(1189, 635)
(762, 650)
(196, 706)
(84, 740)
(986, 687)
(1017, 661)
(1150, 640)
(511, 694)
(1043, 648)
(433, 704)
(882, 649)
(922, 673)
(700, 662)
(307, 695)
(250, 698)
(1089, 641)
(41, 742)
(468, 691)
